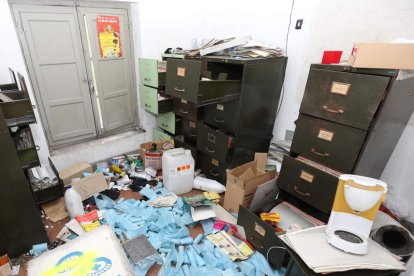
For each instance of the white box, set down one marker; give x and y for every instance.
(98, 252)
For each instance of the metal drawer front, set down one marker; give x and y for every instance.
(308, 183)
(214, 142)
(331, 144)
(189, 129)
(213, 168)
(151, 72)
(149, 98)
(224, 116)
(187, 110)
(169, 122)
(347, 98)
(184, 81)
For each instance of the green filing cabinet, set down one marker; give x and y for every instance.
(153, 102)
(152, 72)
(159, 135)
(169, 122)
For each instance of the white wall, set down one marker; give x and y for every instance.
(11, 56)
(328, 25)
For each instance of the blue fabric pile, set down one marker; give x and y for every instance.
(166, 229)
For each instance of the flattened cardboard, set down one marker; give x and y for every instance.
(55, 210)
(382, 55)
(90, 185)
(74, 171)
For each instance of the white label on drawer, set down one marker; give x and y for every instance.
(214, 162)
(340, 88)
(306, 176)
(325, 134)
(181, 71)
(259, 229)
(220, 107)
(183, 101)
(192, 124)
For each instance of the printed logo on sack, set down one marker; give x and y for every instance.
(79, 261)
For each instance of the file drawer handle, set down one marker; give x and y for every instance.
(213, 173)
(218, 121)
(164, 125)
(300, 192)
(336, 111)
(147, 79)
(252, 241)
(192, 134)
(314, 151)
(178, 89)
(209, 150)
(147, 105)
(183, 111)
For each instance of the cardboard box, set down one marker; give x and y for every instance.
(98, 252)
(382, 55)
(74, 171)
(90, 185)
(242, 182)
(153, 160)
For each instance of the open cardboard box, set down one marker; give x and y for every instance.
(243, 180)
(74, 171)
(153, 160)
(382, 55)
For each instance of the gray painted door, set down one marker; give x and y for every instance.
(112, 77)
(52, 42)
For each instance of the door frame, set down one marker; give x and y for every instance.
(13, 6)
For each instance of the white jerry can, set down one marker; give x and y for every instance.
(178, 170)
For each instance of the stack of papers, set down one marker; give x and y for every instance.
(321, 257)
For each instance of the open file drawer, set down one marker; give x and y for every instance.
(17, 108)
(152, 72)
(26, 148)
(153, 101)
(190, 80)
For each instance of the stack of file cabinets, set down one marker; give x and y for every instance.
(153, 99)
(21, 224)
(350, 121)
(228, 108)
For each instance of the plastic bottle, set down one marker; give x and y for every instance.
(73, 202)
(178, 170)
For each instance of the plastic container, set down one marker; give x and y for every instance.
(73, 202)
(178, 170)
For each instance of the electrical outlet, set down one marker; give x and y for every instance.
(299, 24)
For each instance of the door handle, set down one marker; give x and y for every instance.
(314, 151)
(301, 193)
(218, 121)
(213, 173)
(209, 150)
(336, 111)
(183, 111)
(178, 89)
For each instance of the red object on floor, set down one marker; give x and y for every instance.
(330, 57)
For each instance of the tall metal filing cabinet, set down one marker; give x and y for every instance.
(350, 121)
(153, 99)
(228, 105)
(20, 220)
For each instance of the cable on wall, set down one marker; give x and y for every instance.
(286, 51)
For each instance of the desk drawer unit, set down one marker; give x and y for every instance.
(153, 102)
(152, 72)
(215, 143)
(345, 98)
(169, 122)
(224, 116)
(184, 80)
(328, 143)
(308, 183)
(189, 129)
(213, 168)
(186, 109)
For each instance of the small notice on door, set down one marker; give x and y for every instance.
(109, 36)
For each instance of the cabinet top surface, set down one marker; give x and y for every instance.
(350, 69)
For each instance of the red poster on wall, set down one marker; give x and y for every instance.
(109, 36)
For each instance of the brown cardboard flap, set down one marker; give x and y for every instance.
(90, 185)
(247, 175)
(261, 160)
(74, 171)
